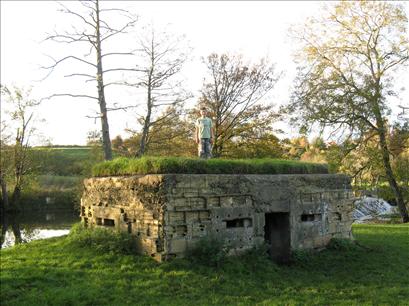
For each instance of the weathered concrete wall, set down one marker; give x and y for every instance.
(169, 213)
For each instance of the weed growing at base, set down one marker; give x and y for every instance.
(161, 165)
(101, 240)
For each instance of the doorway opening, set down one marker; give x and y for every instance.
(278, 236)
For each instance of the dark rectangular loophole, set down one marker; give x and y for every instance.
(109, 222)
(310, 217)
(242, 222)
(99, 221)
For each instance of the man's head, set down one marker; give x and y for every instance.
(203, 111)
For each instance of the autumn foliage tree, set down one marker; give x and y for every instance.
(172, 135)
(348, 61)
(233, 92)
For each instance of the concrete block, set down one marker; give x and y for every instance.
(213, 202)
(321, 241)
(176, 217)
(178, 246)
(307, 243)
(197, 203)
(226, 201)
(204, 215)
(190, 192)
(198, 230)
(192, 216)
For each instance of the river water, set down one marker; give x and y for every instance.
(36, 225)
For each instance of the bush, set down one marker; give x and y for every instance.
(342, 244)
(257, 256)
(209, 251)
(161, 165)
(102, 240)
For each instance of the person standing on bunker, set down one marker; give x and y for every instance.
(204, 134)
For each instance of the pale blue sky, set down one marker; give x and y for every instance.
(253, 28)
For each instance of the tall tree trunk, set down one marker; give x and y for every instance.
(106, 140)
(391, 178)
(4, 208)
(387, 165)
(149, 104)
(15, 227)
(216, 141)
(15, 198)
(145, 132)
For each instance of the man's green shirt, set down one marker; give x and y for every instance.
(204, 125)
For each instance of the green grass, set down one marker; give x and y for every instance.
(59, 271)
(80, 152)
(161, 165)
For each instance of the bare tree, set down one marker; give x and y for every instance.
(233, 92)
(95, 33)
(163, 56)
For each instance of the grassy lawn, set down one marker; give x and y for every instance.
(58, 272)
(150, 165)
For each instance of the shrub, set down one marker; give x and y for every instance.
(102, 240)
(342, 244)
(257, 256)
(209, 251)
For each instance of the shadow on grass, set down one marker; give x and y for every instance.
(54, 272)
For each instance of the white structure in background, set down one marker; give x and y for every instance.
(367, 208)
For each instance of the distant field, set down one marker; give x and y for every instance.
(70, 152)
(150, 165)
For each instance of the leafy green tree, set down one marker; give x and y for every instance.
(172, 135)
(16, 159)
(266, 145)
(255, 138)
(347, 66)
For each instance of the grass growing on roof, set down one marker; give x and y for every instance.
(160, 165)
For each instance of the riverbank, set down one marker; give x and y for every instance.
(58, 272)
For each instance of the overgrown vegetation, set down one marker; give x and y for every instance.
(145, 165)
(58, 271)
(209, 251)
(101, 240)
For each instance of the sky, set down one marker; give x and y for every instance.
(253, 28)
